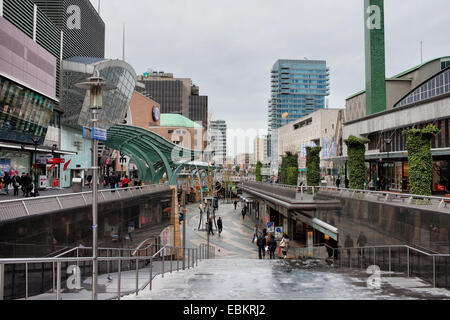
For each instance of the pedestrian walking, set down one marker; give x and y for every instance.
(6, 181)
(272, 245)
(210, 226)
(338, 182)
(261, 243)
(125, 182)
(219, 225)
(348, 244)
(22, 183)
(284, 245)
(16, 183)
(255, 233)
(89, 180)
(243, 213)
(27, 185)
(235, 204)
(112, 181)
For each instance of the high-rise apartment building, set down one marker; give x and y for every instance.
(217, 135)
(258, 150)
(176, 95)
(83, 28)
(299, 87)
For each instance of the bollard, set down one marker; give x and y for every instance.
(119, 263)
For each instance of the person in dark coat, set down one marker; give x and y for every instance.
(6, 181)
(16, 183)
(210, 226)
(272, 244)
(23, 183)
(27, 181)
(338, 182)
(235, 204)
(219, 225)
(112, 181)
(261, 243)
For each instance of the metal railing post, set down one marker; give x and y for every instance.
(407, 261)
(196, 255)
(108, 262)
(151, 273)
(171, 258)
(361, 257)
(189, 258)
(53, 277)
(163, 262)
(119, 263)
(26, 280)
(2, 282)
(58, 280)
(178, 259)
(390, 263)
(434, 271)
(137, 273)
(374, 257)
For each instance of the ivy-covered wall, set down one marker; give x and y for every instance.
(313, 166)
(420, 160)
(356, 161)
(258, 171)
(289, 160)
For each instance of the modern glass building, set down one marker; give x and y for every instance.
(299, 87)
(217, 133)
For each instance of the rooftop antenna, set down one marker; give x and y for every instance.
(123, 44)
(421, 52)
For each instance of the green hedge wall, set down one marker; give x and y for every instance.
(289, 160)
(356, 161)
(258, 171)
(420, 160)
(292, 176)
(313, 166)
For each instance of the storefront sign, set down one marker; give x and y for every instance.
(98, 134)
(270, 227)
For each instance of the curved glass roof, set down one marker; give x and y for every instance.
(436, 86)
(152, 154)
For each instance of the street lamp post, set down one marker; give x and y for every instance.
(96, 85)
(36, 184)
(388, 144)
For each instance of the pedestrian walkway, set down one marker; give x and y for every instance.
(243, 279)
(42, 193)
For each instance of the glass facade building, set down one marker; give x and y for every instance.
(298, 88)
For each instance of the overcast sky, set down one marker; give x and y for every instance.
(228, 47)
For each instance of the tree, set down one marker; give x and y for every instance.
(258, 171)
(356, 161)
(313, 166)
(420, 160)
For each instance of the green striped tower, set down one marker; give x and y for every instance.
(375, 56)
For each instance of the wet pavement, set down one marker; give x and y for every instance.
(250, 279)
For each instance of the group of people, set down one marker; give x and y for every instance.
(114, 181)
(219, 226)
(16, 182)
(267, 243)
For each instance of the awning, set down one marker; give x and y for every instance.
(318, 224)
(38, 149)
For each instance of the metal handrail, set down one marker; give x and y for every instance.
(395, 194)
(79, 193)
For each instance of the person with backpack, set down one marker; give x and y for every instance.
(272, 244)
(284, 245)
(261, 243)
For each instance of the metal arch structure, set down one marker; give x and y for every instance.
(154, 155)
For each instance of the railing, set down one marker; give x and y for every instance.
(305, 193)
(12, 209)
(153, 259)
(387, 196)
(432, 268)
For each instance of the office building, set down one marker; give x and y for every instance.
(217, 140)
(176, 95)
(258, 150)
(299, 87)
